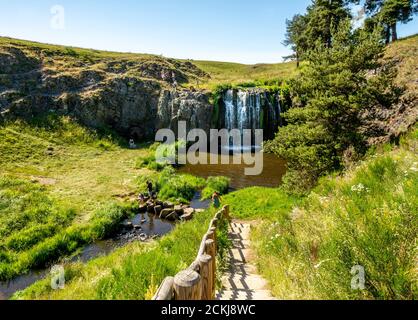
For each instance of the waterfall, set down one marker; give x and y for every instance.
(242, 110)
(252, 109)
(229, 110)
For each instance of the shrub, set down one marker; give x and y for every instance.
(215, 184)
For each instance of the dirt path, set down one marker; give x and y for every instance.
(242, 282)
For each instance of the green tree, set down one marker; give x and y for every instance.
(389, 13)
(303, 31)
(295, 36)
(328, 95)
(323, 16)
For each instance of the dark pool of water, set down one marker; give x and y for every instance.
(271, 176)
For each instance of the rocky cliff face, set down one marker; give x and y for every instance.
(381, 124)
(134, 95)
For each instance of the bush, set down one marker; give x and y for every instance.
(215, 184)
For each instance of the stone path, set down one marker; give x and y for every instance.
(242, 282)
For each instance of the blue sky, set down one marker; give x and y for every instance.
(246, 31)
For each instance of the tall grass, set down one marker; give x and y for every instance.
(366, 218)
(216, 184)
(37, 246)
(260, 203)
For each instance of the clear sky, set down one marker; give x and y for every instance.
(246, 31)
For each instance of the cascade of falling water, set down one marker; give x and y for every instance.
(243, 110)
(229, 110)
(242, 107)
(280, 109)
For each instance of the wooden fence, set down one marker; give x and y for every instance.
(198, 281)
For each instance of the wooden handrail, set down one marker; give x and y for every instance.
(198, 281)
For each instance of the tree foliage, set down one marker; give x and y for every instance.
(388, 13)
(328, 95)
(303, 31)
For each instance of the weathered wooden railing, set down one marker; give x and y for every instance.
(198, 281)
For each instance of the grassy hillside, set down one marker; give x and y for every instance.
(366, 217)
(224, 73)
(190, 73)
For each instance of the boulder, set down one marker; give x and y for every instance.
(173, 216)
(165, 212)
(127, 225)
(179, 210)
(143, 208)
(189, 210)
(158, 209)
(168, 205)
(187, 217)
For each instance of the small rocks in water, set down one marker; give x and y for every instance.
(143, 221)
(137, 227)
(143, 237)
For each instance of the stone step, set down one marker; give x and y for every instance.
(242, 269)
(239, 236)
(243, 282)
(241, 244)
(239, 256)
(243, 295)
(239, 229)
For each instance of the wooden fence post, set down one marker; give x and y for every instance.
(213, 230)
(165, 291)
(215, 222)
(227, 213)
(211, 251)
(187, 286)
(206, 273)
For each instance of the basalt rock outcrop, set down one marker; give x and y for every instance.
(134, 95)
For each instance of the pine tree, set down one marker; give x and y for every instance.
(389, 13)
(328, 96)
(303, 31)
(295, 37)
